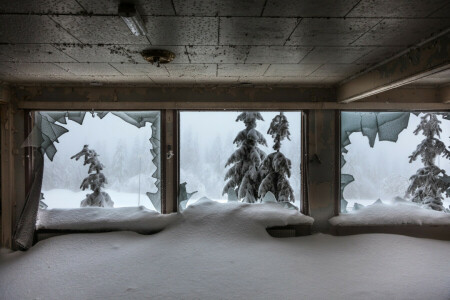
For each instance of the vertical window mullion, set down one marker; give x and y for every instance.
(169, 160)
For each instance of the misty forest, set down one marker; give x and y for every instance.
(377, 170)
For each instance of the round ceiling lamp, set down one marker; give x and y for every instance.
(158, 56)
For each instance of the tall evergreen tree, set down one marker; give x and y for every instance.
(427, 185)
(276, 167)
(244, 175)
(95, 180)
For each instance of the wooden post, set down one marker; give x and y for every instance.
(7, 174)
(169, 157)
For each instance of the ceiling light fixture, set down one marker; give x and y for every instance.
(131, 17)
(158, 56)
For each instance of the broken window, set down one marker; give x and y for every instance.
(376, 164)
(117, 163)
(222, 157)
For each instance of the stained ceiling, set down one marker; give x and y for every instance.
(248, 42)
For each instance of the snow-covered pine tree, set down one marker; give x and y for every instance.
(244, 175)
(276, 168)
(426, 185)
(95, 180)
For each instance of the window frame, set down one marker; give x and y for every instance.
(304, 203)
(29, 152)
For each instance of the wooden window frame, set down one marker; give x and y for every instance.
(304, 203)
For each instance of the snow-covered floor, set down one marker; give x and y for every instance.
(217, 251)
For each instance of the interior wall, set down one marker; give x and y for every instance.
(320, 103)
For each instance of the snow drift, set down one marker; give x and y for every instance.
(143, 220)
(216, 251)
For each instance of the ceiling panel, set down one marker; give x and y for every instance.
(289, 70)
(182, 30)
(28, 29)
(402, 32)
(219, 7)
(37, 69)
(308, 8)
(379, 54)
(147, 7)
(191, 70)
(330, 32)
(99, 29)
(116, 53)
(40, 6)
(336, 54)
(396, 9)
(217, 54)
(140, 69)
(89, 69)
(215, 42)
(34, 53)
(255, 31)
(276, 54)
(241, 69)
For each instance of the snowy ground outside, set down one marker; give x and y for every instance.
(224, 252)
(60, 198)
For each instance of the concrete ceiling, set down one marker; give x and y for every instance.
(251, 42)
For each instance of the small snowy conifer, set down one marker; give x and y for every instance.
(95, 180)
(276, 166)
(427, 185)
(244, 176)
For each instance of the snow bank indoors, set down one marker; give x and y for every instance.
(140, 219)
(224, 252)
(209, 139)
(376, 149)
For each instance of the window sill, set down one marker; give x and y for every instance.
(439, 232)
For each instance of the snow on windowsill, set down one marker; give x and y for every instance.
(391, 214)
(143, 220)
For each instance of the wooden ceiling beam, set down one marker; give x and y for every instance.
(428, 58)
